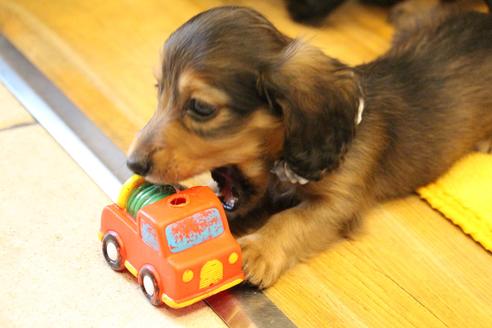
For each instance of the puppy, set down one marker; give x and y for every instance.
(302, 143)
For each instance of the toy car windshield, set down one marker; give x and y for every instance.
(194, 230)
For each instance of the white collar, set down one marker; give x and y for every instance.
(360, 110)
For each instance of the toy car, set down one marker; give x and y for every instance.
(177, 243)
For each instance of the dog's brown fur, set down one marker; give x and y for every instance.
(427, 103)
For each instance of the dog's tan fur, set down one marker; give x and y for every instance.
(295, 104)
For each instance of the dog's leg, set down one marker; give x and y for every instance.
(293, 235)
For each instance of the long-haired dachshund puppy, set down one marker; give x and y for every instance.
(303, 140)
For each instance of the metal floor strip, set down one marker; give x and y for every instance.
(104, 162)
(81, 139)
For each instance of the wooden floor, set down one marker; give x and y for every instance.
(409, 267)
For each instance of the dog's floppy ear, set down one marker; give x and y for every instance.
(318, 98)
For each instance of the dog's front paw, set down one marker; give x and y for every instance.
(263, 261)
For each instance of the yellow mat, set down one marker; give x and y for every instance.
(464, 196)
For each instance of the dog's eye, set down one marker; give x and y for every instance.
(200, 110)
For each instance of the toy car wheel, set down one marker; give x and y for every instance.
(112, 252)
(150, 288)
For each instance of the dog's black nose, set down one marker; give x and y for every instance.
(140, 166)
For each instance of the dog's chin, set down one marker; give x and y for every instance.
(234, 188)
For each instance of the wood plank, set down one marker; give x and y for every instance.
(409, 267)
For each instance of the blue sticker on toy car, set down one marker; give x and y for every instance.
(194, 230)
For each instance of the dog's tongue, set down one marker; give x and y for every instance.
(226, 193)
(228, 197)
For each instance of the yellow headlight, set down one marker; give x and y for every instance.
(233, 258)
(187, 276)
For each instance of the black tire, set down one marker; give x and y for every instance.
(111, 249)
(149, 286)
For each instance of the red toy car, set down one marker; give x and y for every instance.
(177, 244)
